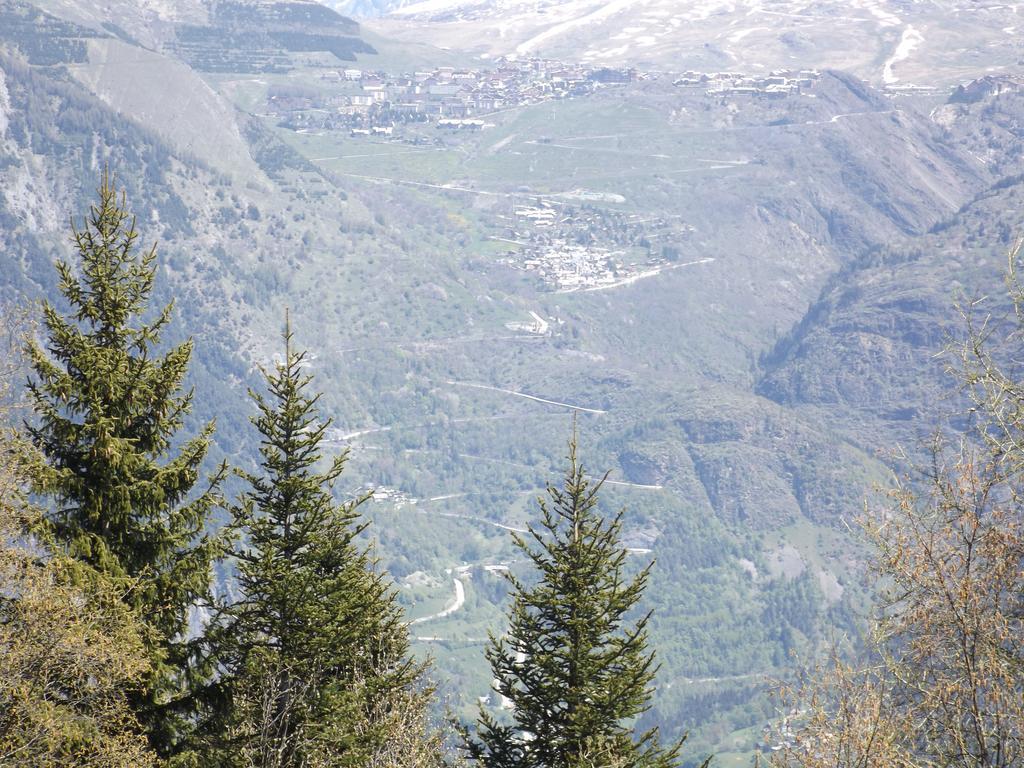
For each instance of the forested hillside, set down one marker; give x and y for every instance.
(774, 274)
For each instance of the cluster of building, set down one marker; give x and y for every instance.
(776, 737)
(383, 494)
(368, 103)
(567, 266)
(778, 83)
(573, 249)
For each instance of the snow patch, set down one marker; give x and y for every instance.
(909, 42)
(5, 105)
(735, 37)
(886, 18)
(611, 53)
(604, 12)
(434, 6)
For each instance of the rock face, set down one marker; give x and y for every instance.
(987, 117)
(869, 349)
(264, 37)
(5, 106)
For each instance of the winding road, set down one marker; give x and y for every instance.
(536, 399)
(455, 605)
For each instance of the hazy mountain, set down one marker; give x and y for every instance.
(881, 40)
(862, 346)
(366, 8)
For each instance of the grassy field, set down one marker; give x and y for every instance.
(538, 147)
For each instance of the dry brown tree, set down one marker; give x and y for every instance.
(69, 648)
(943, 682)
(410, 739)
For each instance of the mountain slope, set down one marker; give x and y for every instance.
(867, 347)
(394, 255)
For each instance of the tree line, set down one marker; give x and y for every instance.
(115, 647)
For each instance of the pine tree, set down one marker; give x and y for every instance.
(315, 648)
(108, 411)
(575, 671)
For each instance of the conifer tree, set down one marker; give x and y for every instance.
(574, 669)
(108, 409)
(316, 653)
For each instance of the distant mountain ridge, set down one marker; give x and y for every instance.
(153, 22)
(887, 42)
(366, 9)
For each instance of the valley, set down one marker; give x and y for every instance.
(726, 239)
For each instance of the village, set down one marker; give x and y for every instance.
(374, 103)
(778, 84)
(377, 103)
(570, 242)
(573, 248)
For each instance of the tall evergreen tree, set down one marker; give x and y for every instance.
(316, 653)
(109, 408)
(573, 668)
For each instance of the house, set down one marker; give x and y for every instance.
(455, 108)
(407, 108)
(612, 76)
(443, 89)
(489, 103)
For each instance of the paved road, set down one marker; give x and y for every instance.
(524, 395)
(457, 603)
